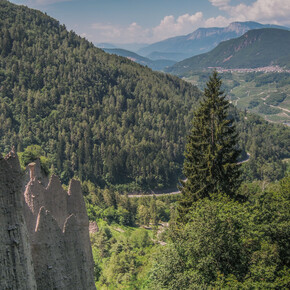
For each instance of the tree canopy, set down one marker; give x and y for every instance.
(211, 156)
(101, 117)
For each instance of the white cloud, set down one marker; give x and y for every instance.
(169, 26)
(219, 3)
(265, 11)
(219, 21)
(118, 34)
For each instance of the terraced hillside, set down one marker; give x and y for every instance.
(266, 94)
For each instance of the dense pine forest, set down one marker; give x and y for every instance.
(101, 117)
(220, 234)
(119, 127)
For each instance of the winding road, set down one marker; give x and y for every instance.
(175, 191)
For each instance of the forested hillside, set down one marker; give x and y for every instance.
(98, 116)
(256, 48)
(102, 117)
(159, 64)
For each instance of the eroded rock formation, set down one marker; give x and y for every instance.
(16, 267)
(53, 239)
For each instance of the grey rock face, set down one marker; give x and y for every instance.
(59, 233)
(45, 232)
(16, 266)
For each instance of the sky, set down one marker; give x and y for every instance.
(149, 21)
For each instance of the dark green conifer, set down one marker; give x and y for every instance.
(7, 43)
(211, 154)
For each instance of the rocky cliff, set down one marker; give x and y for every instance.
(50, 247)
(16, 267)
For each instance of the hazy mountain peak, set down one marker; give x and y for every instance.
(257, 48)
(202, 40)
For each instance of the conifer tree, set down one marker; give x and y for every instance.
(211, 153)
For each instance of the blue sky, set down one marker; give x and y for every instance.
(147, 21)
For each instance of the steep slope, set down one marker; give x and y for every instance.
(201, 40)
(98, 116)
(58, 229)
(44, 232)
(153, 64)
(256, 48)
(16, 268)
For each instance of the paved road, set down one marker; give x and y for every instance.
(176, 191)
(245, 160)
(155, 194)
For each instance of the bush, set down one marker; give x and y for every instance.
(140, 239)
(267, 110)
(276, 98)
(32, 153)
(253, 104)
(229, 245)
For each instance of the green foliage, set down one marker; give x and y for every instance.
(276, 98)
(230, 245)
(121, 257)
(143, 215)
(211, 156)
(32, 153)
(268, 144)
(268, 110)
(141, 239)
(115, 208)
(100, 117)
(270, 79)
(253, 104)
(270, 89)
(108, 205)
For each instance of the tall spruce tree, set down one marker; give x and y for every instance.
(211, 153)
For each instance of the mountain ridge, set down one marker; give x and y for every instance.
(159, 64)
(256, 48)
(203, 39)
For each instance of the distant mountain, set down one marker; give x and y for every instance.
(105, 45)
(127, 46)
(201, 40)
(256, 48)
(160, 64)
(166, 55)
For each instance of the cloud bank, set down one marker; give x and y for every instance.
(264, 11)
(274, 11)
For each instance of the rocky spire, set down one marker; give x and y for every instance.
(44, 233)
(16, 265)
